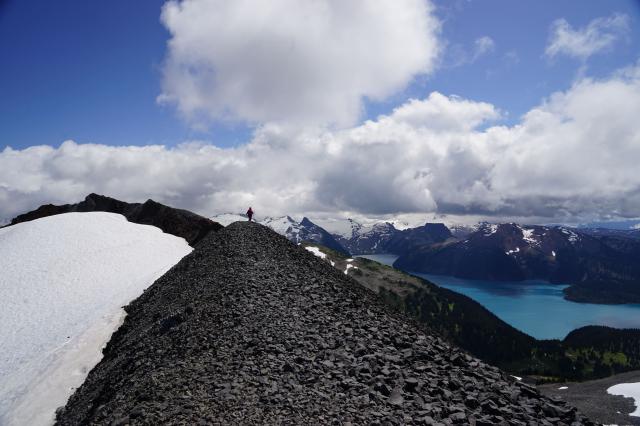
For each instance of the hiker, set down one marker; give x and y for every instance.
(250, 213)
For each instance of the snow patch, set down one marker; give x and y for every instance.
(349, 266)
(553, 253)
(64, 280)
(226, 219)
(572, 236)
(490, 229)
(563, 387)
(517, 250)
(528, 236)
(517, 378)
(628, 390)
(316, 251)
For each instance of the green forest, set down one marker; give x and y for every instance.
(586, 353)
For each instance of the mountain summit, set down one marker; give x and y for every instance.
(250, 328)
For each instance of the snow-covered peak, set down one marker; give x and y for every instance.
(488, 229)
(376, 228)
(529, 236)
(461, 230)
(402, 225)
(283, 225)
(341, 227)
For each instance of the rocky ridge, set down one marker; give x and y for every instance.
(181, 223)
(304, 231)
(250, 328)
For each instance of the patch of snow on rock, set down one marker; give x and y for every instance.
(316, 251)
(226, 219)
(349, 266)
(572, 236)
(528, 236)
(517, 250)
(553, 253)
(64, 281)
(563, 387)
(490, 229)
(628, 390)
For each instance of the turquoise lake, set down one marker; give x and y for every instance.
(534, 307)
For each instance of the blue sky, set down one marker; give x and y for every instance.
(91, 71)
(467, 110)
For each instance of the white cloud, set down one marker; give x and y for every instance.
(439, 112)
(569, 159)
(599, 35)
(458, 55)
(300, 61)
(483, 45)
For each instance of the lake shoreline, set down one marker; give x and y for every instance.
(520, 304)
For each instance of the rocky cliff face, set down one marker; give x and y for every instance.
(251, 329)
(181, 223)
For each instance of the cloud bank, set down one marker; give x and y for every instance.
(302, 63)
(568, 159)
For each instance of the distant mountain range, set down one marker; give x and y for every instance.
(297, 232)
(349, 236)
(601, 265)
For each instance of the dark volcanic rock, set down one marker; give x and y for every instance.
(251, 329)
(181, 223)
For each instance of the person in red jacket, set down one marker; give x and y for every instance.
(250, 213)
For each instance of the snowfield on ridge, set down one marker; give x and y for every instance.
(64, 281)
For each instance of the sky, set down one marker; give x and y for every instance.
(472, 110)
